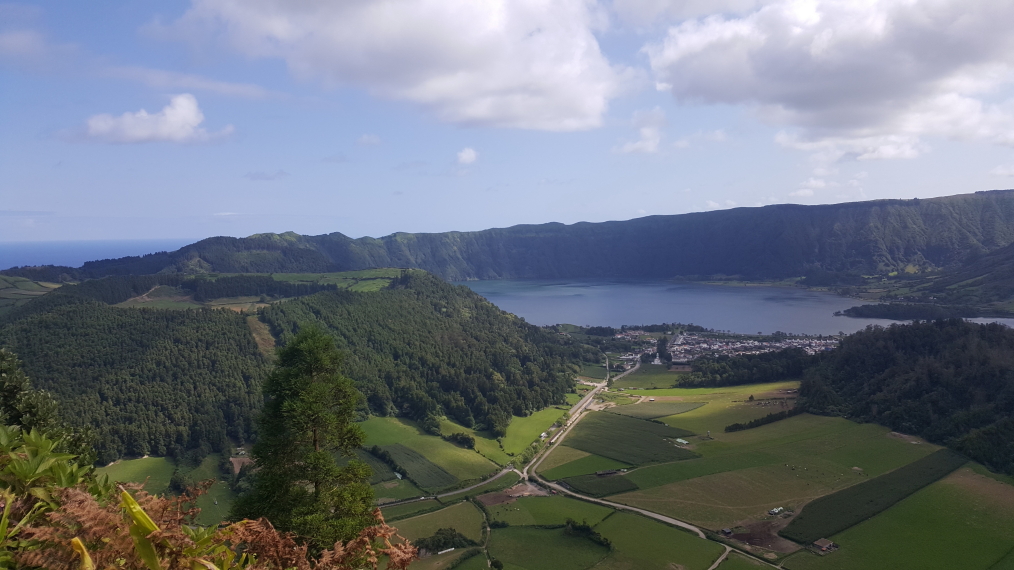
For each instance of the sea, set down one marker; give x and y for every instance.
(740, 309)
(75, 253)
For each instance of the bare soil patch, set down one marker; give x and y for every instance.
(764, 534)
(239, 462)
(512, 494)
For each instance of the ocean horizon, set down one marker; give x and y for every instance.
(76, 253)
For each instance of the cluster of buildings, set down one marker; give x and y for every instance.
(687, 347)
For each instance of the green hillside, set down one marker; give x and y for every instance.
(828, 242)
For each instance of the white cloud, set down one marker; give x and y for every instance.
(179, 122)
(368, 140)
(649, 127)
(467, 156)
(865, 79)
(1003, 170)
(29, 49)
(711, 204)
(802, 193)
(506, 63)
(161, 79)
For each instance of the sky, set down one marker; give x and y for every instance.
(189, 119)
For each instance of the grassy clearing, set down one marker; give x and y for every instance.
(477, 562)
(573, 399)
(485, 443)
(596, 486)
(396, 490)
(406, 510)
(628, 440)
(582, 466)
(381, 471)
(544, 549)
(502, 482)
(561, 455)
(652, 410)
(642, 543)
(463, 517)
(836, 512)
(737, 562)
(158, 471)
(423, 472)
(596, 371)
(649, 377)
(16, 291)
(465, 464)
(523, 431)
(724, 406)
(787, 463)
(962, 521)
(548, 511)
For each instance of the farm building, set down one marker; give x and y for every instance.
(776, 510)
(825, 545)
(682, 441)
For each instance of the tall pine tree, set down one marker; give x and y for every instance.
(305, 425)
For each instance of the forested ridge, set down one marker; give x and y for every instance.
(949, 381)
(875, 237)
(162, 381)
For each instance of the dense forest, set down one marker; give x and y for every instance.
(949, 381)
(784, 364)
(161, 381)
(423, 348)
(830, 244)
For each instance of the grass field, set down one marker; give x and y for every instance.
(16, 291)
(652, 410)
(395, 490)
(962, 521)
(582, 466)
(596, 486)
(596, 371)
(573, 399)
(736, 562)
(502, 482)
(786, 464)
(724, 406)
(627, 439)
(648, 377)
(465, 464)
(214, 505)
(485, 443)
(548, 511)
(643, 544)
(530, 548)
(523, 431)
(836, 512)
(477, 562)
(409, 509)
(423, 472)
(561, 456)
(463, 517)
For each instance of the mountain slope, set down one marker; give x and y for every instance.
(769, 242)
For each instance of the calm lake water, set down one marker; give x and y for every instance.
(613, 303)
(75, 253)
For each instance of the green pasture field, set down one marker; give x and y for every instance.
(477, 562)
(573, 399)
(365, 280)
(529, 548)
(159, 470)
(787, 463)
(581, 466)
(465, 464)
(485, 443)
(523, 431)
(446, 560)
(618, 398)
(406, 510)
(738, 562)
(723, 406)
(463, 517)
(627, 439)
(548, 511)
(16, 291)
(596, 371)
(381, 471)
(652, 410)
(644, 544)
(561, 455)
(648, 377)
(502, 482)
(395, 490)
(838, 511)
(423, 472)
(961, 521)
(596, 486)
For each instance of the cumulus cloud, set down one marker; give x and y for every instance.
(649, 127)
(863, 79)
(1003, 170)
(505, 63)
(178, 122)
(467, 156)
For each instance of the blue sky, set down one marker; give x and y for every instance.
(155, 120)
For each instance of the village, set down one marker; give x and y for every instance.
(686, 347)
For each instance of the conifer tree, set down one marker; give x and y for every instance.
(305, 425)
